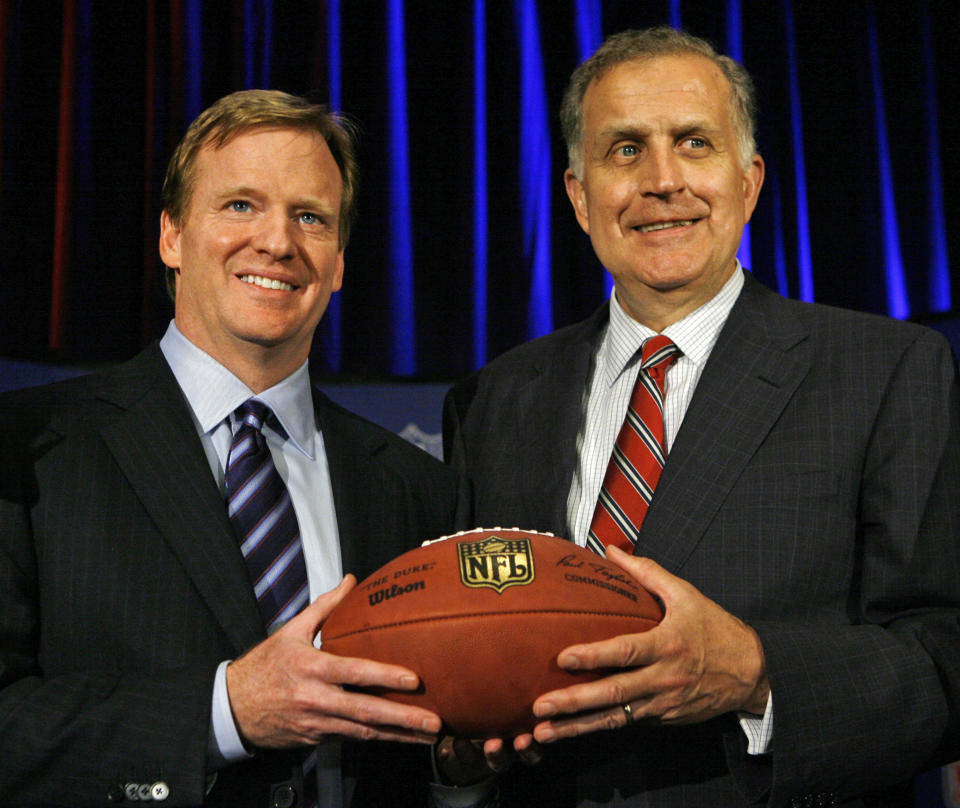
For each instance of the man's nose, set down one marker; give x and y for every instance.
(274, 235)
(662, 173)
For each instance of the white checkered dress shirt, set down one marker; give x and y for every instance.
(604, 406)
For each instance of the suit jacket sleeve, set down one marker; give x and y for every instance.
(122, 588)
(878, 699)
(811, 491)
(78, 718)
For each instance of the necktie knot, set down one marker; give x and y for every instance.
(253, 414)
(657, 350)
(656, 355)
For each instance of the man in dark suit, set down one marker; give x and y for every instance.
(804, 532)
(135, 664)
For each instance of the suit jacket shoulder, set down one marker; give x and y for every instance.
(511, 427)
(527, 362)
(811, 492)
(122, 588)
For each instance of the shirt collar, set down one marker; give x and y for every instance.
(695, 334)
(213, 392)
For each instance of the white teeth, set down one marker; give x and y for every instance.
(649, 228)
(266, 283)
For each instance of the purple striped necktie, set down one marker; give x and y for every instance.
(264, 521)
(638, 455)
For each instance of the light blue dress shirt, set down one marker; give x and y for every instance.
(213, 393)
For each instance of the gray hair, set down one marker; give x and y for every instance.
(639, 45)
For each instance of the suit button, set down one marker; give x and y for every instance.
(160, 791)
(144, 792)
(115, 794)
(284, 797)
(132, 792)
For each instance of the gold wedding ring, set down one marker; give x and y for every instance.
(628, 712)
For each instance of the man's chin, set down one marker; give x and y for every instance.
(286, 338)
(267, 342)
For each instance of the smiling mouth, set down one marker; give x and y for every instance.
(650, 228)
(266, 283)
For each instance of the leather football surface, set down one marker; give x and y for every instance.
(480, 617)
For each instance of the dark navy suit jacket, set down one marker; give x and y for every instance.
(122, 587)
(813, 490)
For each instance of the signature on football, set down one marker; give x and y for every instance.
(598, 568)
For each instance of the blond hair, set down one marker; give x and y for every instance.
(251, 109)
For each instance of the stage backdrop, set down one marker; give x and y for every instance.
(465, 244)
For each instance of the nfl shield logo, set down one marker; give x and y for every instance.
(496, 563)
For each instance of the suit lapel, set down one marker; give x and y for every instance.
(760, 358)
(350, 453)
(155, 444)
(548, 420)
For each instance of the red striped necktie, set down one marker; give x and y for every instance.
(638, 455)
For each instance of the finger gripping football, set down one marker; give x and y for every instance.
(481, 616)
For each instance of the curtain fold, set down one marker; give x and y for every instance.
(465, 243)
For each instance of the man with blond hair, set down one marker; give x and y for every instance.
(175, 530)
(782, 476)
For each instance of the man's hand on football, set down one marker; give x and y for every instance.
(699, 662)
(284, 692)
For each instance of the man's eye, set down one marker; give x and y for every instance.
(309, 218)
(628, 150)
(240, 206)
(696, 142)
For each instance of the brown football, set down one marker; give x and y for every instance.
(481, 616)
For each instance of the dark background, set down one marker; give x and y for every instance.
(465, 243)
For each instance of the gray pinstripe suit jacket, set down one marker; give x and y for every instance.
(122, 587)
(812, 491)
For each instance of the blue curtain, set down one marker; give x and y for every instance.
(465, 244)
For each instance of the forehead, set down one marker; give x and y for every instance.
(656, 90)
(273, 157)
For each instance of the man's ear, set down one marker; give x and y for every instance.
(578, 199)
(338, 274)
(752, 183)
(169, 241)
